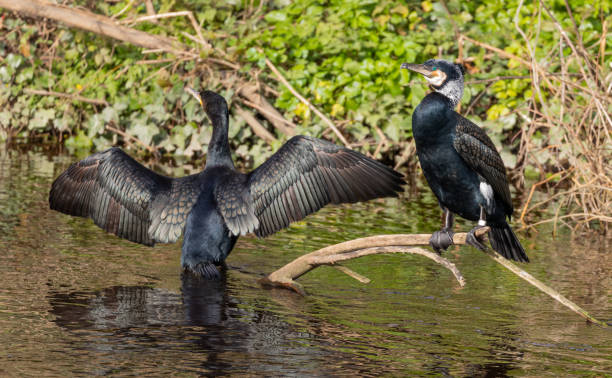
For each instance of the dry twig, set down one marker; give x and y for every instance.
(127, 138)
(189, 15)
(70, 96)
(329, 123)
(257, 127)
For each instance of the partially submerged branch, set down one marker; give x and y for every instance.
(543, 287)
(399, 243)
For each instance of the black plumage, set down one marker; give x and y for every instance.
(219, 204)
(460, 163)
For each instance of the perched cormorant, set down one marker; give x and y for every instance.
(460, 163)
(219, 204)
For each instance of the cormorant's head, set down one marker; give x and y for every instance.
(212, 102)
(443, 76)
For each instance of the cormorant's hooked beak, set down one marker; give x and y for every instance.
(419, 68)
(195, 94)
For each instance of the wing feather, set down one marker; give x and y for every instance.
(307, 174)
(125, 198)
(479, 152)
(304, 175)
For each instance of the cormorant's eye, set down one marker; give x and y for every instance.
(435, 68)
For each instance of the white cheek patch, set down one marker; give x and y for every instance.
(487, 192)
(436, 80)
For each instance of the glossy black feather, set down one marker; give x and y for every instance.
(308, 173)
(125, 198)
(460, 161)
(214, 207)
(477, 149)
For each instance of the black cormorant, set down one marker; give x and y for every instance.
(219, 204)
(460, 163)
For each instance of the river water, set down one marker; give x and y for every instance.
(75, 300)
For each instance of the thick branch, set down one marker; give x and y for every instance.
(398, 243)
(257, 127)
(258, 102)
(92, 22)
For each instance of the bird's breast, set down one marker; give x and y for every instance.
(432, 123)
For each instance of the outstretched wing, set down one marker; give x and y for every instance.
(299, 179)
(125, 198)
(479, 152)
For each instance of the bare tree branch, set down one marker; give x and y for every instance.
(399, 243)
(92, 22)
(329, 123)
(70, 96)
(257, 127)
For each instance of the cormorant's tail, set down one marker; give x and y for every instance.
(504, 241)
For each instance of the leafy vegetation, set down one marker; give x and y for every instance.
(342, 55)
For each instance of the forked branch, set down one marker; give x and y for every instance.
(373, 245)
(399, 243)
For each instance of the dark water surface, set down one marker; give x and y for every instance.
(75, 300)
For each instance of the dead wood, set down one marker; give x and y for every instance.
(257, 127)
(81, 19)
(333, 254)
(258, 102)
(70, 96)
(399, 243)
(326, 120)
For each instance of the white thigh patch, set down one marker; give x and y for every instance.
(487, 192)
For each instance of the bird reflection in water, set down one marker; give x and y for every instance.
(200, 303)
(203, 319)
(206, 329)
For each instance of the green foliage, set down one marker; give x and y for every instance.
(343, 55)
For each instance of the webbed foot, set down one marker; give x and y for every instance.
(472, 240)
(205, 270)
(441, 240)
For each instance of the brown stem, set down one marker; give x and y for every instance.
(127, 137)
(256, 126)
(41, 92)
(259, 103)
(329, 123)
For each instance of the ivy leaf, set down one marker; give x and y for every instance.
(41, 119)
(95, 125)
(80, 141)
(276, 17)
(5, 118)
(143, 131)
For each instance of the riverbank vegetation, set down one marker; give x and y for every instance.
(539, 80)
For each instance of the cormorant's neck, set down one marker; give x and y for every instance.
(452, 89)
(219, 153)
(432, 120)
